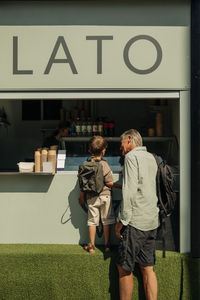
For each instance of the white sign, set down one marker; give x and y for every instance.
(93, 57)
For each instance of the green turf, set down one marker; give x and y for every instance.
(191, 278)
(62, 272)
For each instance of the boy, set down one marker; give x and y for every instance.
(99, 205)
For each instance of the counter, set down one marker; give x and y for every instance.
(43, 209)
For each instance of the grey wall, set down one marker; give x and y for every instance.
(43, 209)
(135, 12)
(23, 137)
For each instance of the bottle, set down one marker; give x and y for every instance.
(84, 127)
(68, 117)
(37, 161)
(87, 107)
(78, 127)
(111, 128)
(100, 127)
(62, 114)
(72, 129)
(89, 127)
(94, 128)
(159, 124)
(105, 127)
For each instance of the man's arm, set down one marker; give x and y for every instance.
(129, 190)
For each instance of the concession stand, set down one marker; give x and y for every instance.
(106, 67)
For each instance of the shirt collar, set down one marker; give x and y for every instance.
(143, 148)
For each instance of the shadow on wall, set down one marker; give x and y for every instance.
(75, 214)
(24, 183)
(78, 218)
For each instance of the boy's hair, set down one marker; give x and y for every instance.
(96, 144)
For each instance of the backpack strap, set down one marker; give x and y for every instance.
(162, 218)
(96, 160)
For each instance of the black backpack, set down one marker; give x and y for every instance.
(90, 176)
(165, 184)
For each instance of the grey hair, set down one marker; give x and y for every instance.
(137, 139)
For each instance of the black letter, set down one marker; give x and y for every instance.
(15, 59)
(158, 49)
(99, 49)
(53, 60)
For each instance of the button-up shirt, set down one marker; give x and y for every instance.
(139, 200)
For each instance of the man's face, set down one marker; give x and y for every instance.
(65, 132)
(125, 146)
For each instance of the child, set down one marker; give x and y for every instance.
(100, 206)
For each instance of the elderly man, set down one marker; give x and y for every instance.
(138, 217)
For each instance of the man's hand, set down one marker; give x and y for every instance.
(118, 228)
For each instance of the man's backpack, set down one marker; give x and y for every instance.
(166, 195)
(90, 176)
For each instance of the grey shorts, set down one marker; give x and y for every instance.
(137, 246)
(100, 206)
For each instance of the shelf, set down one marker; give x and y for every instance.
(117, 139)
(87, 138)
(27, 173)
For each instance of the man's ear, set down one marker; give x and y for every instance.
(130, 139)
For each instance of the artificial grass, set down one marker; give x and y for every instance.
(62, 272)
(191, 278)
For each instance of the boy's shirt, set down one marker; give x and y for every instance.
(107, 173)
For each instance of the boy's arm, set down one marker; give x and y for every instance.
(81, 199)
(109, 178)
(113, 185)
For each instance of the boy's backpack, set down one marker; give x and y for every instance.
(90, 176)
(91, 180)
(166, 195)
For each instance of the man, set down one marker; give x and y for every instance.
(138, 217)
(54, 140)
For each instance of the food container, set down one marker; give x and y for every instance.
(26, 167)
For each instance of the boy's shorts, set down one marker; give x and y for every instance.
(137, 246)
(100, 206)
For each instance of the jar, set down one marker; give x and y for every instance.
(159, 124)
(51, 157)
(43, 157)
(37, 161)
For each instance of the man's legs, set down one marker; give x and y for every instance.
(125, 284)
(150, 282)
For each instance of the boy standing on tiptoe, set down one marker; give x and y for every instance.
(100, 205)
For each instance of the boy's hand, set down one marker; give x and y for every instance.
(81, 201)
(117, 186)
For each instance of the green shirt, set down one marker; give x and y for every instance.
(139, 200)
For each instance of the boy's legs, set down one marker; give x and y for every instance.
(93, 220)
(92, 233)
(107, 216)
